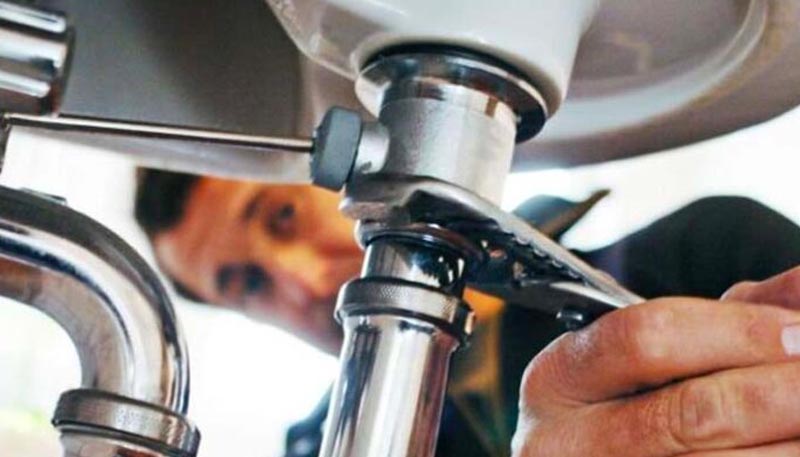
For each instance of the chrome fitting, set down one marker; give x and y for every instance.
(450, 116)
(375, 296)
(124, 420)
(445, 73)
(35, 52)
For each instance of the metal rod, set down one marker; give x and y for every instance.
(143, 130)
(179, 149)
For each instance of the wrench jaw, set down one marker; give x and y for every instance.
(514, 261)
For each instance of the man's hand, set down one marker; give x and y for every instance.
(672, 377)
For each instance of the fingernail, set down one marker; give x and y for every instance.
(790, 337)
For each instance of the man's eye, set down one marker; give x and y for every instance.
(282, 222)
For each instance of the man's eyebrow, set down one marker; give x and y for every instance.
(252, 206)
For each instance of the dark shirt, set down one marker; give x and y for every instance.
(700, 250)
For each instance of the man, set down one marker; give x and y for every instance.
(273, 252)
(677, 376)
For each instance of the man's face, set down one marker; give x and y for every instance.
(279, 253)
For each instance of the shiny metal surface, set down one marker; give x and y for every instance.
(35, 47)
(450, 117)
(520, 256)
(101, 292)
(412, 260)
(194, 151)
(382, 295)
(95, 412)
(437, 72)
(135, 373)
(388, 399)
(402, 321)
(445, 141)
(77, 444)
(399, 337)
(155, 131)
(373, 148)
(429, 226)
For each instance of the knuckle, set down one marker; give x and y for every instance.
(532, 383)
(543, 377)
(641, 333)
(758, 327)
(534, 379)
(703, 412)
(792, 290)
(652, 424)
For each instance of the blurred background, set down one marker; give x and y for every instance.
(250, 381)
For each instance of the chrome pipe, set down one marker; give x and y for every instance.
(186, 150)
(389, 397)
(401, 326)
(35, 51)
(134, 367)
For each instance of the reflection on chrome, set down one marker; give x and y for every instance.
(114, 309)
(35, 51)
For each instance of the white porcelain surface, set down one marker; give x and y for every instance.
(649, 74)
(654, 74)
(538, 37)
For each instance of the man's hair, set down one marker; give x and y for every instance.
(160, 199)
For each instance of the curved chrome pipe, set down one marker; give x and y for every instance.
(101, 292)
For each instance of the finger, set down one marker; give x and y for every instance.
(655, 343)
(780, 290)
(787, 449)
(740, 408)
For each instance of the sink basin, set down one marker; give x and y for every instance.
(649, 75)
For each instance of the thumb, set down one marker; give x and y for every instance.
(781, 290)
